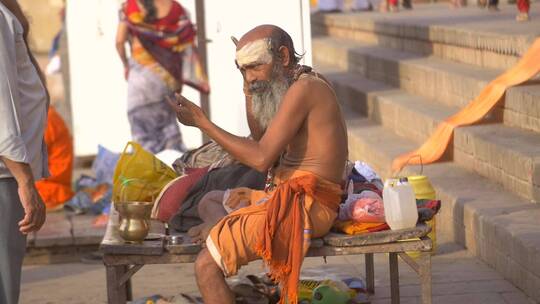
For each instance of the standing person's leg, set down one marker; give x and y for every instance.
(493, 5)
(155, 128)
(329, 6)
(393, 5)
(12, 241)
(152, 121)
(523, 7)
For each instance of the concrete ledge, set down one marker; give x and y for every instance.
(466, 35)
(503, 154)
(494, 224)
(62, 231)
(440, 81)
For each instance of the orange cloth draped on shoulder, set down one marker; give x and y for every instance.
(277, 228)
(55, 190)
(432, 150)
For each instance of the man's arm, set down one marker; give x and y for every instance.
(12, 148)
(260, 154)
(121, 39)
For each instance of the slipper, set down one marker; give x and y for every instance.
(246, 293)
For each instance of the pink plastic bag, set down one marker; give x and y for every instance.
(366, 207)
(367, 210)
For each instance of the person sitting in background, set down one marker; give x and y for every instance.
(55, 190)
(158, 32)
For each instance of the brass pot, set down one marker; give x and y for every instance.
(134, 220)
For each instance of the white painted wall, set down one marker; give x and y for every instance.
(98, 90)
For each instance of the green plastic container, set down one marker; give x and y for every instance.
(326, 294)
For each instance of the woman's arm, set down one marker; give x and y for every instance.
(121, 39)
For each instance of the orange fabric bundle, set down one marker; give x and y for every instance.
(55, 190)
(352, 228)
(434, 147)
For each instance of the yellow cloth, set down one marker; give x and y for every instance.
(434, 147)
(277, 226)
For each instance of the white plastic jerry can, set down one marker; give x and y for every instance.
(399, 201)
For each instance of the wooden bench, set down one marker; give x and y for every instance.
(122, 260)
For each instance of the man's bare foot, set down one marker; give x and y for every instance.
(200, 232)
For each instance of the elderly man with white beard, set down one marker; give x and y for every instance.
(301, 144)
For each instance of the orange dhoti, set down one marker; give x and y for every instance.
(277, 226)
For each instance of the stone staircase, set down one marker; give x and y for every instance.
(399, 75)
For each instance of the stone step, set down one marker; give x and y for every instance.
(469, 36)
(494, 224)
(449, 83)
(507, 155)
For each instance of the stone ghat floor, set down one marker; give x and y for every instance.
(457, 278)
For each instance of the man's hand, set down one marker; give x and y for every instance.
(245, 88)
(34, 209)
(187, 112)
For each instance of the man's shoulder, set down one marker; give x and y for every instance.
(8, 22)
(313, 85)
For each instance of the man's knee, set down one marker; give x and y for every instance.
(212, 197)
(205, 262)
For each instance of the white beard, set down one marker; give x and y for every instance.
(266, 103)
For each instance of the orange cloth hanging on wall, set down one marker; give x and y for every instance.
(55, 190)
(432, 150)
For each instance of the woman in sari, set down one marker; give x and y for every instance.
(158, 31)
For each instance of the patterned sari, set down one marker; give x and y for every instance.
(156, 71)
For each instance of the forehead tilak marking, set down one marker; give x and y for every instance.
(256, 51)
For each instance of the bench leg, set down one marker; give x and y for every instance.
(424, 263)
(370, 273)
(116, 293)
(394, 277)
(129, 291)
